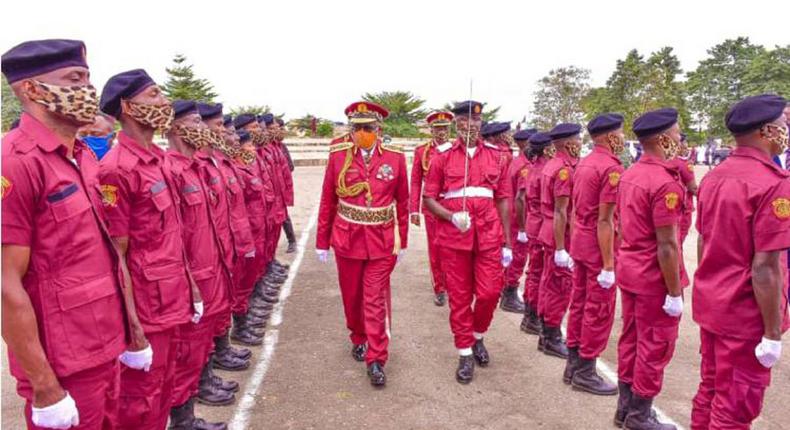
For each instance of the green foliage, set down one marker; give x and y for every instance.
(402, 105)
(401, 128)
(325, 129)
(769, 72)
(12, 109)
(638, 85)
(255, 109)
(559, 97)
(304, 124)
(182, 84)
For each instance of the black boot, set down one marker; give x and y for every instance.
(571, 365)
(587, 379)
(510, 302)
(622, 403)
(288, 228)
(641, 417)
(211, 395)
(225, 360)
(241, 333)
(466, 369)
(261, 305)
(201, 424)
(542, 336)
(530, 324)
(376, 374)
(259, 313)
(358, 352)
(554, 344)
(280, 264)
(480, 353)
(225, 385)
(271, 296)
(181, 417)
(255, 322)
(222, 346)
(440, 298)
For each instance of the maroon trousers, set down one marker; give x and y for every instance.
(556, 284)
(516, 269)
(474, 283)
(534, 273)
(732, 385)
(94, 390)
(591, 313)
(438, 278)
(365, 287)
(646, 344)
(194, 343)
(245, 274)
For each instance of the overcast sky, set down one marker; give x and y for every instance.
(316, 57)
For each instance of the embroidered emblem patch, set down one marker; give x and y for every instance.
(614, 179)
(6, 187)
(524, 172)
(385, 173)
(781, 208)
(109, 195)
(671, 200)
(563, 174)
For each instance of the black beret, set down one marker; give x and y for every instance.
(753, 112)
(539, 140)
(683, 137)
(463, 108)
(495, 128)
(524, 134)
(227, 120)
(244, 135)
(655, 122)
(280, 121)
(208, 110)
(605, 123)
(565, 129)
(184, 107)
(266, 118)
(243, 119)
(124, 85)
(37, 57)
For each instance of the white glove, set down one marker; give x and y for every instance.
(140, 360)
(401, 254)
(563, 259)
(606, 279)
(673, 306)
(198, 312)
(462, 221)
(60, 415)
(768, 352)
(323, 255)
(250, 254)
(522, 237)
(507, 257)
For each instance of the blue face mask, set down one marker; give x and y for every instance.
(98, 144)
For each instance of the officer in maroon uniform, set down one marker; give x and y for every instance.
(468, 191)
(519, 170)
(540, 152)
(591, 314)
(423, 154)
(740, 295)
(64, 284)
(556, 208)
(648, 267)
(202, 248)
(275, 129)
(685, 168)
(145, 222)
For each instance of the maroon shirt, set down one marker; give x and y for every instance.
(53, 207)
(595, 181)
(650, 196)
(556, 181)
(140, 204)
(744, 208)
(219, 208)
(240, 231)
(271, 172)
(532, 184)
(487, 169)
(519, 169)
(255, 198)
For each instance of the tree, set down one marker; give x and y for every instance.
(254, 109)
(405, 110)
(769, 72)
(12, 109)
(719, 81)
(559, 97)
(182, 84)
(325, 129)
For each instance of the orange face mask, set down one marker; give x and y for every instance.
(365, 139)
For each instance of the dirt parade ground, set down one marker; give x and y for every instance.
(303, 377)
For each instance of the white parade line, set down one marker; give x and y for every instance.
(244, 409)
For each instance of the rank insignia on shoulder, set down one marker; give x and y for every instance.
(393, 148)
(340, 146)
(781, 207)
(671, 200)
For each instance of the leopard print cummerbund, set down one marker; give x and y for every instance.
(365, 216)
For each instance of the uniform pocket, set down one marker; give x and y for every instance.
(663, 344)
(171, 284)
(745, 400)
(69, 206)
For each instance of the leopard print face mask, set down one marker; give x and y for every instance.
(247, 156)
(159, 117)
(778, 138)
(76, 102)
(193, 136)
(550, 151)
(670, 147)
(258, 137)
(574, 148)
(218, 142)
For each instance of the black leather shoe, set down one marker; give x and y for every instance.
(211, 395)
(280, 264)
(480, 353)
(359, 351)
(229, 362)
(440, 298)
(274, 280)
(201, 424)
(241, 333)
(376, 374)
(271, 297)
(641, 415)
(222, 346)
(182, 417)
(256, 322)
(261, 305)
(259, 313)
(225, 384)
(291, 248)
(466, 369)
(553, 343)
(510, 301)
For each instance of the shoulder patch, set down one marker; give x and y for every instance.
(341, 139)
(524, 172)
(563, 174)
(393, 148)
(7, 186)
(340, 146)
(423, 144)
(614, 178)
(690, 167)
(781, 207)
(671, 200)
(109, 195)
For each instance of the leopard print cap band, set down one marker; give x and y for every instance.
(79, 103)
(159, 117)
